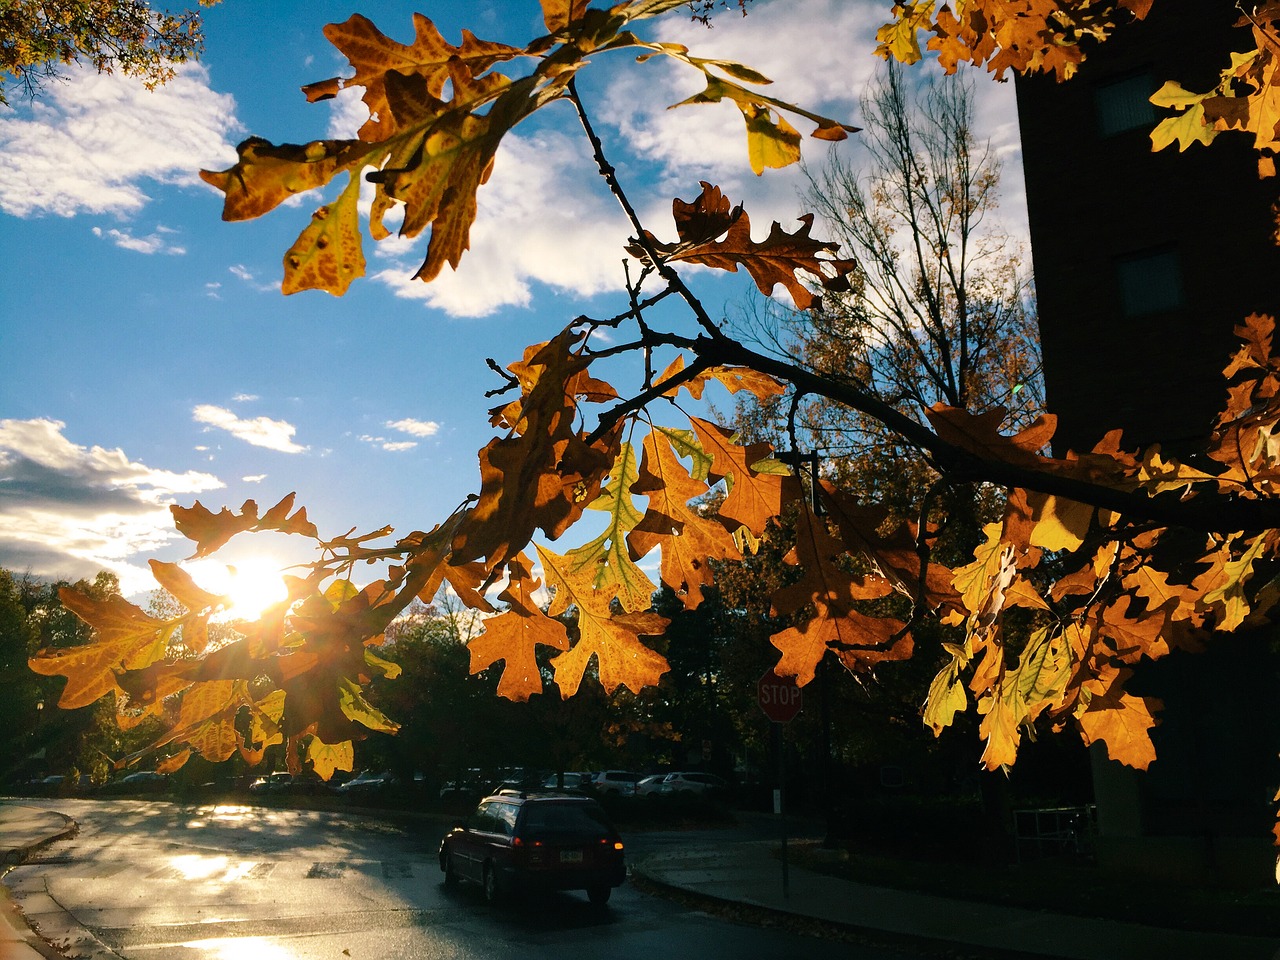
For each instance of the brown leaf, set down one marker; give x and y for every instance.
(754, 498)
(687, 539)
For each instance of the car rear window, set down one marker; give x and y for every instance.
(564, 818)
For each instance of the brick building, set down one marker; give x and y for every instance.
(1143, 264)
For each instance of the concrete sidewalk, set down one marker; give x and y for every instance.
(748, 873)
(24, 831)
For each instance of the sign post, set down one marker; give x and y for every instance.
(781, 699)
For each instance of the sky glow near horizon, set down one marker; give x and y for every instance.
(149, 357)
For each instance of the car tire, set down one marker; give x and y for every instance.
(450, 873)
(492, 888)
(599, 896)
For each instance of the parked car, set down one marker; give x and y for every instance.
(651, 785)
(271, 783)
(695, 783)
(543, 842)
(141, 781)
(367, 784)
(620, 782)
(572, 781)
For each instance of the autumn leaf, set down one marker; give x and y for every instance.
(858, 641)
(612, 640)
(688, 540)
(1059, 523)
(1230, 596)
(606, 557)
(326, 758)
(125, 638)
(774, 260)
(1122, 723)
(543, 477)
(514, 635)
(896, 554)
(328, 254)
(754, 497)
(211, 531)
(946, 698)
(980, 434)
(373, 56)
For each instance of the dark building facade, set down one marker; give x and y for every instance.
(1144, 262)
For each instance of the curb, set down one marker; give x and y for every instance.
(16, 856)
(755, 914)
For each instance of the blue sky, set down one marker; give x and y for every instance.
(147, 356)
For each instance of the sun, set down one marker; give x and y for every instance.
(252, 584)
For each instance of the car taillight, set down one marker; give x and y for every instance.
(617, 845)
(517, 842)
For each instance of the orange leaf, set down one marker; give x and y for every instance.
(613, 640)
(512, 636)
(688, 540)
(754, 498)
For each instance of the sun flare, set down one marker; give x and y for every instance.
(252, 585)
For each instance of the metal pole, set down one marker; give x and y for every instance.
(779, 739)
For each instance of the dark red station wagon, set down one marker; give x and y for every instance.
(521, 842)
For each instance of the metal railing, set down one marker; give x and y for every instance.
(1053, 831)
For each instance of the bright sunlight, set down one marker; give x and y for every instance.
(252, 584)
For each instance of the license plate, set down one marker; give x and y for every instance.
(570, 856)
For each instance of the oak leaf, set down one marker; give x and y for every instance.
(513, 636)
(687, 539)
(613, 640)
(774, 260)
(754, 496)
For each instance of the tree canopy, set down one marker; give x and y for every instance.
(40, 38)
(1113, 555)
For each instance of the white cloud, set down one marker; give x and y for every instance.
(156, 242)
(241, 272)
(70, 511)
(415, 428)
(92, 144)
(245, 398)
(543, 217)
(260, 431)
(708, 141)
(392, 446)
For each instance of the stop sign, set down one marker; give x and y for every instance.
(779, 697)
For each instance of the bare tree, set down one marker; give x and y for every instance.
(939, 310)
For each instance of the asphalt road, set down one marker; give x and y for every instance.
(161, 881)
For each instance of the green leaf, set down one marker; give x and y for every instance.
(616, 573)
(356, 707)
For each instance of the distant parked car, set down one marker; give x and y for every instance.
(367, 784)
(619, 782)
(572, 781)
(650, 786)
(693, 783)
(271, 783)
(141, 781)
(547, 842)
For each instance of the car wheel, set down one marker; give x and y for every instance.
(492, 889)
(450, 873)
(599, 896)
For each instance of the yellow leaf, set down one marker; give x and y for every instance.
(946, 698)
(326, 758)
(613, 640)
(1060, 524)
(898, 39)
(1187, 128)
(327, 255)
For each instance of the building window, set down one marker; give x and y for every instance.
(1150, 283)
(1124, 104)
